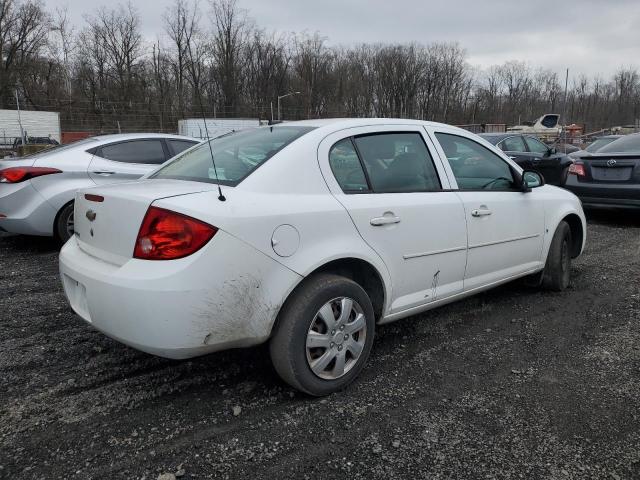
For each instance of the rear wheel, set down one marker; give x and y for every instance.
(324, 335)
(557, 270)
(63, 228)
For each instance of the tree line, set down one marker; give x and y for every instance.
(212, 58)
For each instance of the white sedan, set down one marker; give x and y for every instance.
(308, 235)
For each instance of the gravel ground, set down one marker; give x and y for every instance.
(512, 383)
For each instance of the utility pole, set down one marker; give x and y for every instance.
(564, 111)
(20, 119)
(281, 97)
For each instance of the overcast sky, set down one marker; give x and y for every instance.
(586, 36)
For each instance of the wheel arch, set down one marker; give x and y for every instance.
(569, 210)
(577, 233)
(361, 271)
(364, 274)
(58, 213)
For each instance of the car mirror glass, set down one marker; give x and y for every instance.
(531, 179)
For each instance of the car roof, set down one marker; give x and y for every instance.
(134, 136)
(497, 137)
(342, 123)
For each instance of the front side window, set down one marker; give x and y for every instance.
(346, 167)
(513, 144)
(536, 146)
(134, 151)
(475, 166)
(236, 155)
(397, 162)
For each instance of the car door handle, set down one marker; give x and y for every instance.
(480, 212)
(513, 158)
(536, 159)
(386, 220)
(104, 174)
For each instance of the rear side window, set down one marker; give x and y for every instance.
(236, 155)
(475, 166)
(397, 162)
(346, 167)
(134, 151)
(513, 144)
(179, 146)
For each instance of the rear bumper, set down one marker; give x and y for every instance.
(605, 195)
(24, 210)
(226, 295)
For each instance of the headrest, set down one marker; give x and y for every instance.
(376, 147)
(407, 164)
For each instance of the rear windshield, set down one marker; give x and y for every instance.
(598, 144)
(236, 155)
(628, 144)
(61, 148)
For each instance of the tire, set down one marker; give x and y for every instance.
(64, 221)
(557, 270)
(303, 319)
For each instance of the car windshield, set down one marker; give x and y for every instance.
(628, 144)
(236, 155)
(598, 144)
(61, 148)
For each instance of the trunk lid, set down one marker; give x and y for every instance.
(611, 168)
(16, 162)
(107, 219)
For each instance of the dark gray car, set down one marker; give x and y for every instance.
(609, 177)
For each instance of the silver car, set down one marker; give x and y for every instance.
(37, 191)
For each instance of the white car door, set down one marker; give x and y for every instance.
(505, 225)
(395, 193)
(126, 160)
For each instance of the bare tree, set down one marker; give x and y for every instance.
(105, 74)
(228, 39)
(24, 27)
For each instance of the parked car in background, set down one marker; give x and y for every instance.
(37, 191)
(35, 141)
(532, 154)
(596, 145)
(609, 177)
(307, 234)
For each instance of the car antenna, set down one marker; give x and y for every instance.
(221, 197)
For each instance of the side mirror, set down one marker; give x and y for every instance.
(531, 179)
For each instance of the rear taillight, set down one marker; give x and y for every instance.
(20, 174)
(577, 169)
(167, 235)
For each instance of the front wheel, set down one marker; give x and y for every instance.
(63, 227)
(557, 270)
(324, 335)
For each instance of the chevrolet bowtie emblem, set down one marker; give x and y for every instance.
(91, 215)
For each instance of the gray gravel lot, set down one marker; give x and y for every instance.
(513, 383)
